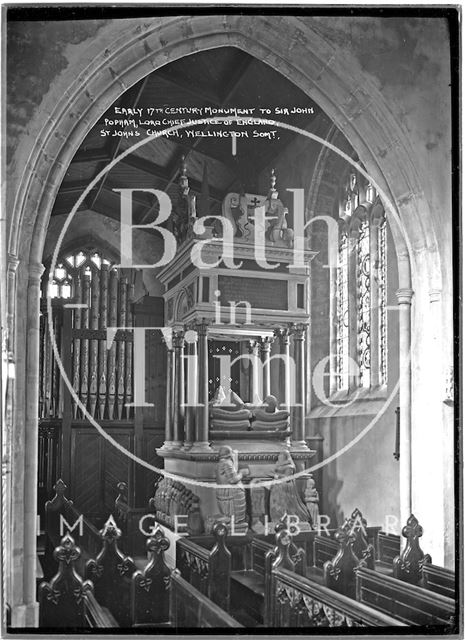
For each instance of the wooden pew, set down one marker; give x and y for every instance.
(303, 540)
(412, 565)
(408, 565)
(97, 616)
(110, 573)
(70, 602)
(438, 579)
(150, 588)
(338, 573)
(67, 601)
(325, 547)
(407, 602)
(388, 548)
(208, 571)
(296, 601)
(56, 509)
(189, 608)
(364, 545)
(249, 585)
(299, 602)
(297, 554)
(335, 558)
(127, 519)
(324, 550)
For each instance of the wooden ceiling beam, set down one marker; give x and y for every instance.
(195, 92)
(71, 187)
(109, 212)
(133, 96)
(229, 92)
(237, 74)
(159, 172)
(182, 142)
(272, 158)
(110, 186)
(91, 155)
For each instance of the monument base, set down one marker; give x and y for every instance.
(196, 469)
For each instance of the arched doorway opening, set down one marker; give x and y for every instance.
(115, 61)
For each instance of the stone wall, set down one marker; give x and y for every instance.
(369, 463)
(385, 82)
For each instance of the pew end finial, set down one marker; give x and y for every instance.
(62, 600)
(408, 565)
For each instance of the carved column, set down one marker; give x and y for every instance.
(298, 411)
(201, 428)
(252, 348)
(265, 349)
(404, 298)
(191, 387)
(284, 343)
(178, 410)
(10, 480)
(170, 383)
(30, 434)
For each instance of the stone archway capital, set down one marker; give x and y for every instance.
(36, 270)
(404, 296)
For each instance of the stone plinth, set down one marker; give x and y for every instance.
(257, 452)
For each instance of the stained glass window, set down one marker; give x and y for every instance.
(382, 302)
(365, 271)
(363, 304)
(62, 283)
(342, 304)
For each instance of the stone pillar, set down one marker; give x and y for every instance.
(265, 349)
(298, 412)
(252, 348)
(31, 440)
(275, 371)
(404, 298)
(201, 428)
(191, 388)
(178, 409)
(169, 409)
(10, 483)
(284, 341)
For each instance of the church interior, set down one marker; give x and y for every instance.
(229, 347)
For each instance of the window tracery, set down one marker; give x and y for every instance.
(361, 320)
(73, 267)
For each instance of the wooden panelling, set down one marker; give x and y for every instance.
(87, 471)
(150, 313)
(117, 466)
(97, 467)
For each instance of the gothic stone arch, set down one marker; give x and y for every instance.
(116, 58)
